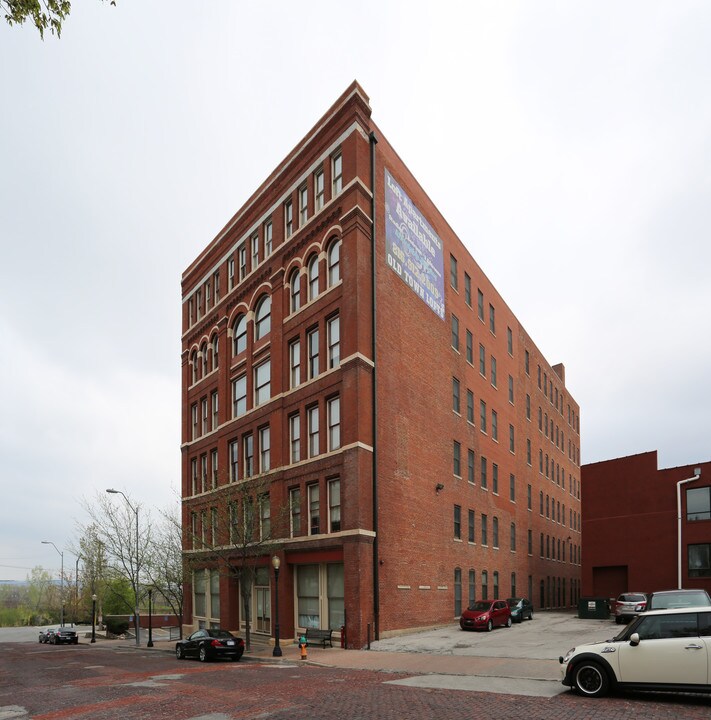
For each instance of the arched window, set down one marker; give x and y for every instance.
(295, 290)
(194, 363)
(263, 317)
(334, 262)
(215, 345)
(203, 360)
(239, 333)
(313, 277)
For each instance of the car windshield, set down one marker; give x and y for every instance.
(629, 629)
(513, 602)
(220, 633)
(480, 605)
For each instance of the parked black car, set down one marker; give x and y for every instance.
(62, 635)
(210, 645)
(44, 635)
(521, 608)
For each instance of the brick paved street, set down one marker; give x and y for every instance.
(97, 683)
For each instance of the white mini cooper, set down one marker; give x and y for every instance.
(659, 650)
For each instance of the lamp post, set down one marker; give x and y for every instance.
(93, 618)
(276, 563)
(138, 562)
(150, 618)
(61, 576)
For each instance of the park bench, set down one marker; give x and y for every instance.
(315, 635)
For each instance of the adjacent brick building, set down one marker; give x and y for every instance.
(630, 526)
(411, 448)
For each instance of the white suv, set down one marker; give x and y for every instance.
(658, 650)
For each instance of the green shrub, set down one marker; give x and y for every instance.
(116, 626)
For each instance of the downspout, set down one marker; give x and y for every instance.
(697, 475)
(376, 574)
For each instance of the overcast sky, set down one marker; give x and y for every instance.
(568, 144)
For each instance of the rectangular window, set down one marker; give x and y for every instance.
(254, 242)
(234, 461)
(199, 592)
(530, 542)
(494, 425)
(203, 473)
(335, 596)
(496, 584)
(314, 510)
(333, 411)
(492, 364)
(453, 272)
(213, 467)
(528, 407)
(268, 238)
(248, 450)
(230, 273)
(470, 466)
(295, 437)
(307, 590)
(470, 406)
(482, 416)
(456, 458)
(194, 419)
(509, 340)
(698, 504)
(455, 395)
(295, 511)
(265, 519)
(334, 506)
(699, 560)
(333, 337)
(492, 321)
(526, 362)
(512, 439)
(242, 260)
(216, 285)
(529, 499)
(264, 449)
(294, 363)
(511, 389)
(194, 475)
(312, 346)
(337, 174)
(239, 396)
(470, 347)
(513, 537)
(205, 415)
(482, 360)
(455, 332)
(484, 530)
(214, 403)
(467, 290)
(480, 304)
(495, 531)
(288, 218)
(471, 526)
(312, 415)
(262, 383)
(303, 205)
(495, 478)
(512, 487)
(457, 522)
(484, 480)
(319, 191)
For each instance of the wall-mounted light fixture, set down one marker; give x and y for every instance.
(439, 487)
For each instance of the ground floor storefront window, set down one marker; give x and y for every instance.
(319, 596)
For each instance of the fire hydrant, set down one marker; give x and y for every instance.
(302, 647)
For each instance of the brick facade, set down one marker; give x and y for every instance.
(392, 553)
(630, 526)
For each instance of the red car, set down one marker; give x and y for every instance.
(486, 615)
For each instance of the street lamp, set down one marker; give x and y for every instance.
(138, 560)
(93, 618)
(276, 562)
(150, 618)
(61, 576)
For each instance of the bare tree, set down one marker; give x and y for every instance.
(126, 542)
(242, 531)
(165, 566)
(95, 564)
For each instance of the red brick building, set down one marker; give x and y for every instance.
(412, 448)
(630, 526)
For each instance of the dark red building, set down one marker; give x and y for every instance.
(631, 524)
(409, 447)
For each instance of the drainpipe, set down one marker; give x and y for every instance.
(376, 574)
(697, 475)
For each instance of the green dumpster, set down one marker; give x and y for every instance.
(593, 608)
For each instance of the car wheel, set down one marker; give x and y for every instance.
(203, 654)
(508, 622)
(590, 679)
(179, 652)
(489, 626)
